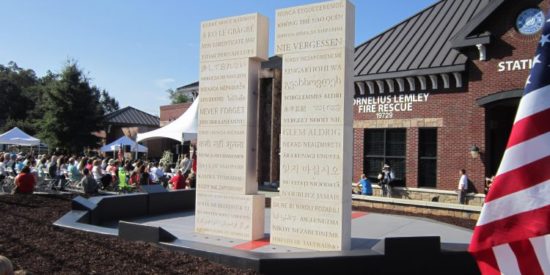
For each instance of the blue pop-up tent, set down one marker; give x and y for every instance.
(124, 140)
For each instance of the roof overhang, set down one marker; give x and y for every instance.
(471, 41)
(129, 125)
(463, 37)
(438, 70)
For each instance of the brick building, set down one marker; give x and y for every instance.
(439, 91)
(169, 113)
(128, 122)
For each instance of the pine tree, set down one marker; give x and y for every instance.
(108, 103)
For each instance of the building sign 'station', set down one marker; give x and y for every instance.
(385, 106)
(515, 65)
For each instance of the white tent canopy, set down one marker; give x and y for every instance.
(185, 125)
(16, 136)
(124, 140)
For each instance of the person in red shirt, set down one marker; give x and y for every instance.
(178, 181)
(134, 179)
(25, 181)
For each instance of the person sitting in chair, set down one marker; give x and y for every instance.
(24, 182)
(89, 183)
(178, 181)
(366, 187)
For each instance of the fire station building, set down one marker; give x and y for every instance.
(439, 91)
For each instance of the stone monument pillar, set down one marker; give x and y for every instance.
(227, 202)
(313, 210)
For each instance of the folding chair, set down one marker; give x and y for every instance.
(45, 183)
(7, 184)
(73, 184)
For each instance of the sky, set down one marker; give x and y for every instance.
(138, 49)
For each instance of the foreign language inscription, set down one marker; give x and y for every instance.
(310, 224)
(234, 37)
(313, 86)
(312, 152)
(224, 89)
(313, 27)
(228, 215)
(224, 155)
(227, 203)
(313, 209)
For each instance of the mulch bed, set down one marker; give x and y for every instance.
(29, 239)
(32, 243)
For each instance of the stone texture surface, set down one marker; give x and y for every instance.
(418, 209)
(431, 195)
(398, 123)
(228, 215)
(315, 27)
(313, 210)
(231, 51)
(244, 36)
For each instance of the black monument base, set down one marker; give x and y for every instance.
(403, 255)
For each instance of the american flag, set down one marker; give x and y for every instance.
(512, 233)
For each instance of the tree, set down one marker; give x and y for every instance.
(23, 78)
(108, 103)
(71, 111)
(17, 93)
(64, 109)
(177, 96)
(11, 96)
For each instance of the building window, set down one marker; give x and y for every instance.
(427, 157)
(385, 146)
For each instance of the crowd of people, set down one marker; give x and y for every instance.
(94, 173)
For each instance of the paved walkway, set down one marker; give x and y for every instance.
(368, 232)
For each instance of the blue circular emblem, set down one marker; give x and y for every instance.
(530, 21)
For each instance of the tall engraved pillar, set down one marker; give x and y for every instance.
(313, 210)
(227, 202)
